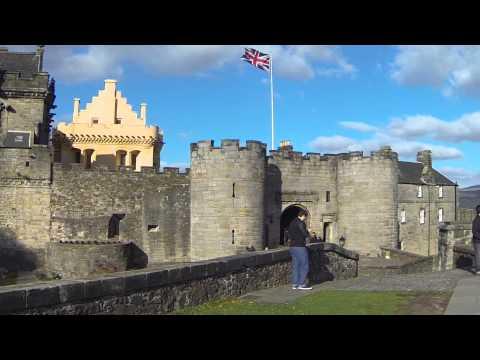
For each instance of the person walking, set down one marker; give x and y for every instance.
(476, 239)
(298, 236)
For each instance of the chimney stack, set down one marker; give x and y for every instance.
(111, 86)
(143, 112)
(76, 108)
(425, 157)
(286, 145)
(40, 51)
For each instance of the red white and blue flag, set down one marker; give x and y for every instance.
(257, 59)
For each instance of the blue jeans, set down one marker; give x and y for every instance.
(299, 265)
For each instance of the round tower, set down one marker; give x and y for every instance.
(367, 195)
(227, 198)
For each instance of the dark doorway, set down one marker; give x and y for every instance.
(114, 226)
(288, 215)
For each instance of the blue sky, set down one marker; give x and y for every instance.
(328, 99)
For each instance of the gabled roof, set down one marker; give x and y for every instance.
(411, 173)
(22, 62)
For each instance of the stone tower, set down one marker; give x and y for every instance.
(227, 198)
(367, 193)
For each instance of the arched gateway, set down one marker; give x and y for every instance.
(286, 218)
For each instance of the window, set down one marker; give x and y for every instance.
(440, 191)
(233, 190)
(118, 121)
(403, 217)
(328, 196)
(152, 228)
(419, 191)
(94, 121)
(133, 159)
(440, 215)
(422, 216)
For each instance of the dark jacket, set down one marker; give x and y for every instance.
(297, 233)
(476, 229)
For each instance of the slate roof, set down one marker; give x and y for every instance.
(21, 62)
(410, 173)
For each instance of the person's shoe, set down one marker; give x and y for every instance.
(294, 287)
(477, 272)
(304, 287)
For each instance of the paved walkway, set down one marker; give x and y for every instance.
(432, 282)
(466, 297)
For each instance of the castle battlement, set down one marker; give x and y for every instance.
(227, 146)
(297, 156)
(127, 170)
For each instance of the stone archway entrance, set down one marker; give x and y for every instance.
(286, 218)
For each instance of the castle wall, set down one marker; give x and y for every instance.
(156, 208)
(227, 194)
(294, 179)
(24, 207)
(416, 237)
(367, 191)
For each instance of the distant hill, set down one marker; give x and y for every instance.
(469, 197)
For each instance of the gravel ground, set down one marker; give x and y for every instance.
(436, 281)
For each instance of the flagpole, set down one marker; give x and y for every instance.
(271, 98)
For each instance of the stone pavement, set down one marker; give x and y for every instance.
(466, 297)
(437, 281)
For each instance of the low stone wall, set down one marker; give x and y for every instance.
(77, 260)
(162, 290)
(403, 262)
(463, 256)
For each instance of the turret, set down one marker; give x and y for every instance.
(227, 197)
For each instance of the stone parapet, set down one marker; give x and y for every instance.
(165, 289)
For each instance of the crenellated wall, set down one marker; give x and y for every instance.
(297, 179)
(227, 194)
(153, 208)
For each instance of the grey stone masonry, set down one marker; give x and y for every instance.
(226, 198)
(168, 288)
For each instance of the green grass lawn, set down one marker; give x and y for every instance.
(330, 302)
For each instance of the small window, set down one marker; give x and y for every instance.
(233, 190)
(440, 215)
(233, 236)
(440, 192)
(118, 121)
(403, 217)
(152, 228)
(419, 192)
(327, 198)
(94, 120)
(422, 216)
(27, 164)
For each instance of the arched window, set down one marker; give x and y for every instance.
(422, 216)
(121, 158)
(133, 159)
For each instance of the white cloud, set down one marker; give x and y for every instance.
(453, 68)
(461, 175)
(405, 148)
(74, 64)
(358, 126)
(465, 128)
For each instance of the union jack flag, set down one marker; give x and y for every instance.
(257, 59)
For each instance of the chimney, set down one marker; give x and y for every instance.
(39, 52)
(286, 145)
(425, 157)
(76, 108)
(111, 86)
(143, 112)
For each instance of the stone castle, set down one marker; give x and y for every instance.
(97, 182)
